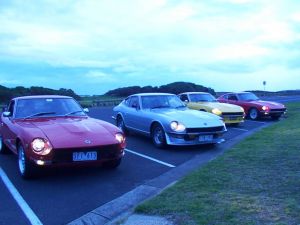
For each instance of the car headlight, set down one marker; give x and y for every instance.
(265, 108)
(41, 146)
(120, 138)
(217, 111)
(176, 126)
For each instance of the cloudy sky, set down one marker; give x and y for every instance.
(93, 46)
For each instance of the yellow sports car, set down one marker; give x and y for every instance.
(231, 114)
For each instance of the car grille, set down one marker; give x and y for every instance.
(204, 129)
(233, 114)
(103, 152)
(278, 110)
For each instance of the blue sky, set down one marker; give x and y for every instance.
(92, 46)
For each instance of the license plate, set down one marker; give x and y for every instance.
(84, 156)
(205, 138)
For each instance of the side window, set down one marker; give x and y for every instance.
(11, 107)
(127, 101)
(232, 98)
(134, 102)
(225, 97)
(184, 98)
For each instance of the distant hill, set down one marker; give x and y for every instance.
(7, 93)
(175, 88)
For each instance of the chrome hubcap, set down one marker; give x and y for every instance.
(0, 143)
(158, 135)
(253, 114)
(121, 124)
(21, 160)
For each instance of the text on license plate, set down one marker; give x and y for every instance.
(205, 137)
(84, 156)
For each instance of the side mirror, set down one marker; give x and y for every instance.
(6, 114)
(86, 110)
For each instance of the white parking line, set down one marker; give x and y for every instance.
(255, 121)
(150, 158)
(239, 129)
(34, 220)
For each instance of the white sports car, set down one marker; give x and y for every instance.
(167, 120)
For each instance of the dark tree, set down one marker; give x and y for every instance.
(175, 88)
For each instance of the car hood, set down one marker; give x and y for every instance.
(272, 105)
(224, 107)
(190, 118)
(74, 132)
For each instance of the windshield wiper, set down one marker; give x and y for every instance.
(74, 112)
(39, 114)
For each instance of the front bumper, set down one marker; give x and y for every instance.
(64, 157)
(273, 112)
(195, 138)
(233, 119)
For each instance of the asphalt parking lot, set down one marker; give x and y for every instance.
(65, 194)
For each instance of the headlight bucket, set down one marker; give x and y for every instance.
(120, 138)
(217, 111)
(41, 146)
(176, 126)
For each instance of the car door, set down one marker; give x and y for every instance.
(133, 113)
(8, 127)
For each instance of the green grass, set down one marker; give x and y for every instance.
(255, 182)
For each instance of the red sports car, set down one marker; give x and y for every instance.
(55, 130)
(253, 106)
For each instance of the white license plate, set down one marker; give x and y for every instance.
(205, 138)
(84, 156)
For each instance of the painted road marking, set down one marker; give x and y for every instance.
(34, 220)
(256, 121)
(239, 129)
(150, 158)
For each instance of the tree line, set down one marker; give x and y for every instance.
(175, 88)
(8, 93)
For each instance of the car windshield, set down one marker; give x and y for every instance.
(248, 97)
(42, 107)
(202, 98)
(161, 101)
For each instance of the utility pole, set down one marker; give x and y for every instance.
(264, 83)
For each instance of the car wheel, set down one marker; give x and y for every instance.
(253, 113)
(112, 164)
(158, 136)
(3, 148)
(26, 168)
(121, 125)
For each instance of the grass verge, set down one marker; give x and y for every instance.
(255, 182)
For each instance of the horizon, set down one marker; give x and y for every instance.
(93, 46)
(159, 86)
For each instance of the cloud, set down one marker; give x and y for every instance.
(146, 42)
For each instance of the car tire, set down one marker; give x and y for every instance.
(121, 125)
(112, 164)
(3, 148)
(158, 136)
(26, 169)
(253, 114)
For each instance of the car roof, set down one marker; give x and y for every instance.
(41, 96)
(194, 92)
(242, 92)
(151, 94)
